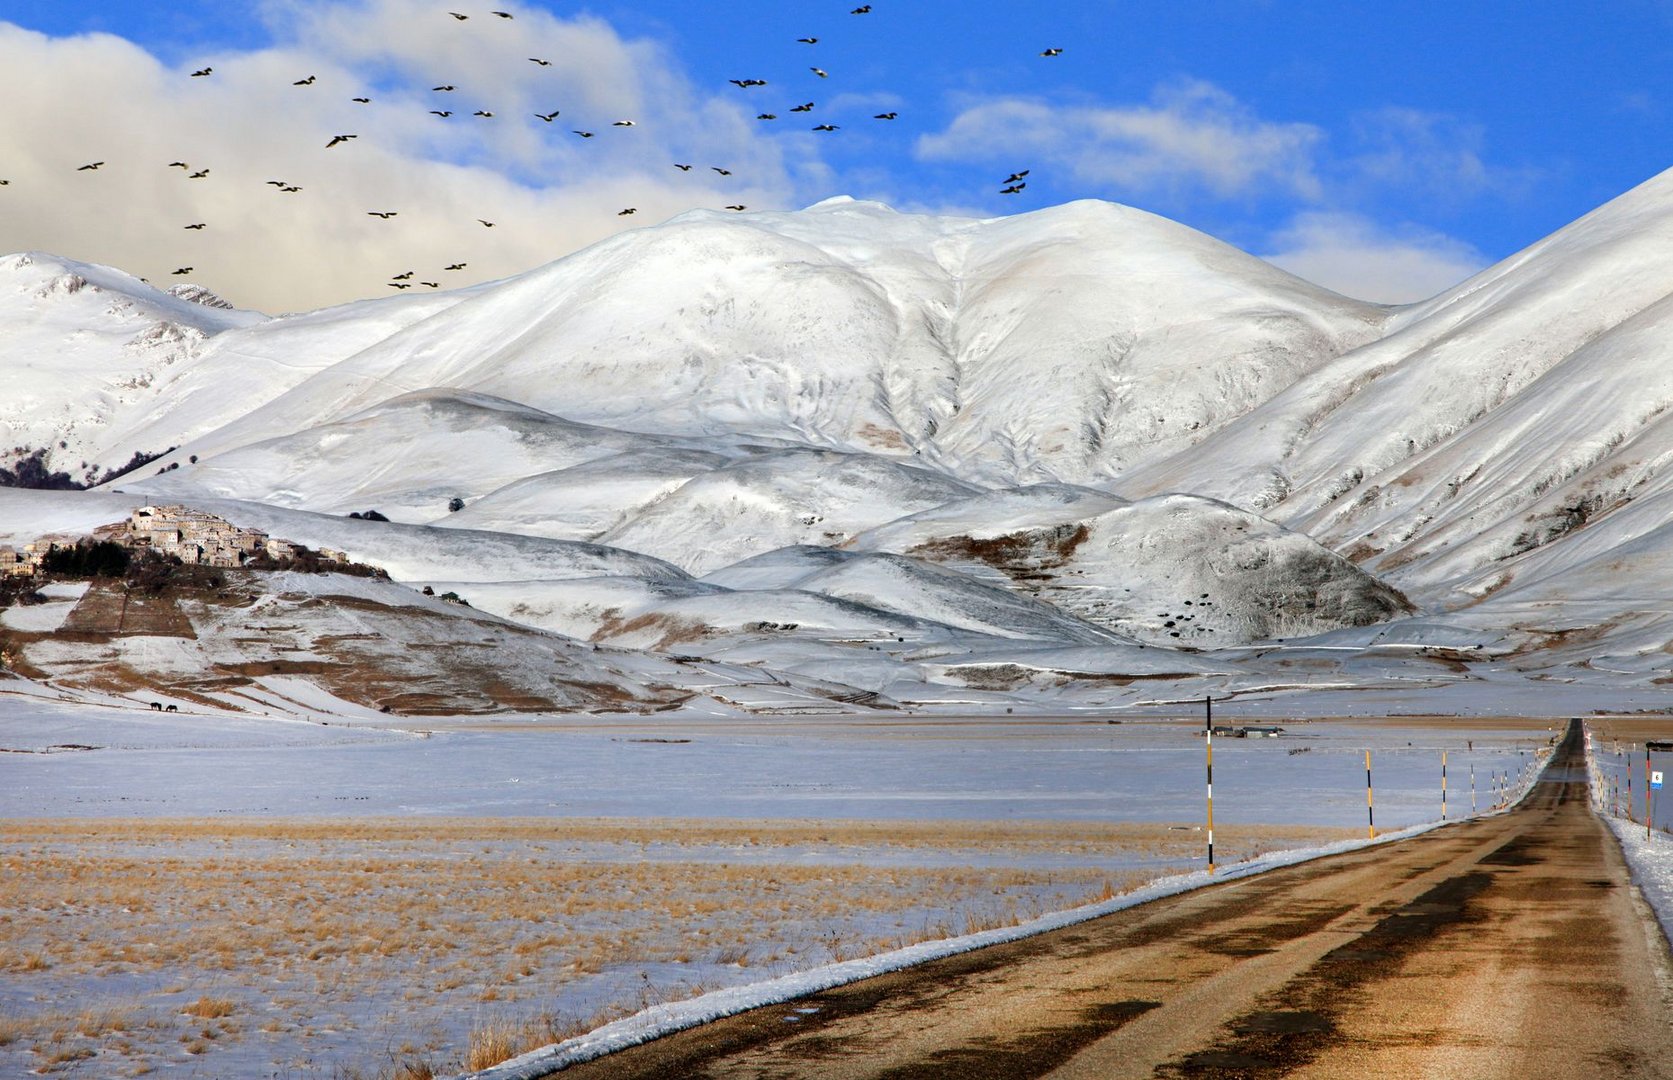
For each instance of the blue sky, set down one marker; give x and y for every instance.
(1384, 153)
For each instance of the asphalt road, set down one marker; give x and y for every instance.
(1511, 946)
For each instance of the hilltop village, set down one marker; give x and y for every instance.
(193, 537)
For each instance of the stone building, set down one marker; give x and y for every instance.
(193, 536)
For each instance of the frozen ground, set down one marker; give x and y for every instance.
(359, 896)
(894, 767)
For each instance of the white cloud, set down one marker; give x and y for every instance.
(1356, 257)
(1190, 135)
(1432, 153)
(75, 100)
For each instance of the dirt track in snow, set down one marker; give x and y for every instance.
(1506, 947)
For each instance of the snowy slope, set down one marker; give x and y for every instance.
(1175, 569)
(585, 501)
(406, 457)
(790, 497)
(240, 372)
(1526, 404)
(82, 344)
(999, 349)
(912, 588)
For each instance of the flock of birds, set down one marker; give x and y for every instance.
(1013, 184)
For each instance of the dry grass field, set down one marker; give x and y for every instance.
(399, 949)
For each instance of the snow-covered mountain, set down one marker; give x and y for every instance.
(1526, 404)
(874, 450)
(81, 348)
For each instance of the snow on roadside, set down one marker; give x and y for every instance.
(668, 1018)
(1650, 858)
(1648, 852)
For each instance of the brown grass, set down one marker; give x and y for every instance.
(491, 1043)
(209, 1008)
(278, 932)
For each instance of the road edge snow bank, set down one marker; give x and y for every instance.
(666, 1019)
(1648, 853)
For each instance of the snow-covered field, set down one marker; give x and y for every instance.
(355, 896)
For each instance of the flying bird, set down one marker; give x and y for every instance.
(362, 100)
(199, 225)
(821, 72)
(585, 134)
(385, 214)
(503, 14)
(682, 168)
(432, 284)
(184, 270)
(805, 107)
(290, 188)
(399, 285)
(201, 72)
(1014, 189)
(178, 165)
(486, 224)
(89, 167)
(455, 266)
(538, 60)
(1052, 52)
(622, 123)
(401, 277)
(808, 40)
(441, 89)
(745, 84)
(737, 206)
(885, 116)
(199, 175)
(826, 127)
(721, 171)
(277, 183)
(1014, 177)
(335, 139)
(548, 118)
(309, 81)
(4, 183)
(484, 113)
(767, 116)
(864, 9)
(458, 16)
(443, 113)
(629, 210)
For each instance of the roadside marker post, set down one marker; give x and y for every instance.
(1652, 780)
(1370, 814)
(1472, 790)
(1208, 733)
(1443, 785)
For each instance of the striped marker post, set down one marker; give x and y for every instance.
(1370, 814)
(1208, 732)
(1647, 814)
(1472, 790)
(1443, 785)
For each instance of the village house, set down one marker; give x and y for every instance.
(13, 563)
(193, 536)
(180, 532)
(16, 562)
